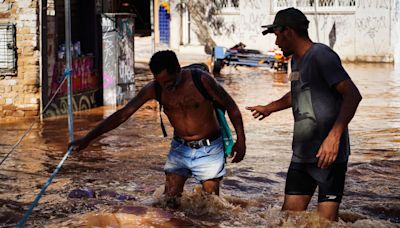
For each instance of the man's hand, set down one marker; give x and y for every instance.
(78, 145)
(260, 111)
(328, 151)
(238, 152)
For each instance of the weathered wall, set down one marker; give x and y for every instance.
(369, 33)
(396, 31)
(19, 93)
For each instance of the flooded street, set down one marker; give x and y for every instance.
(118, 180)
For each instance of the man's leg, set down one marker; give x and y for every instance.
(173, 188)
(174, 184)
(329, 210)
(331, 191)
(296, 202)
(299, 188)
(212, 186)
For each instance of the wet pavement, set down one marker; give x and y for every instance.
(118, 180)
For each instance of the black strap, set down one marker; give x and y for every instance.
(157, 86)
(196, 77)
(158, 98)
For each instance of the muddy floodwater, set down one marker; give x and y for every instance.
(118, 180)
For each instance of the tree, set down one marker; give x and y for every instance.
(206, 16)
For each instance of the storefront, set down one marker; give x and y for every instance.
(85, 52)
(91, 51)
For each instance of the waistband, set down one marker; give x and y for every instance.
(198, 143)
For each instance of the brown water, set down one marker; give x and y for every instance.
(123, 172)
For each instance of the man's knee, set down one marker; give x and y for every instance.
(329, 210)
(211, 186)
(296, 202)
(174, 184)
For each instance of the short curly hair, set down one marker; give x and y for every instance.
(164, 60)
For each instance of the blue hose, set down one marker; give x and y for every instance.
(23, 220)
(67, 73)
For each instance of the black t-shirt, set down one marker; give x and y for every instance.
(316, 103)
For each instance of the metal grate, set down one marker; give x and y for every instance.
(7, 48)
(321, 6)
(347, 2)
(230, 3)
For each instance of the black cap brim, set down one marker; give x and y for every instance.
(269, 29)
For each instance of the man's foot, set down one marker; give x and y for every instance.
(172, 202)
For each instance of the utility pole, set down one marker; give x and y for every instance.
(68, 68)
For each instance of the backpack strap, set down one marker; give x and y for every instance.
(196, 77)
(157, 87)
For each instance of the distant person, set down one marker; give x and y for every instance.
(197, 147)
(324, 100)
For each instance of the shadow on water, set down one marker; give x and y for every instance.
(118, 180)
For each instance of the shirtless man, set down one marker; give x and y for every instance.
(197, 147)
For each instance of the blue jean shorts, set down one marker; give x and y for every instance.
(204, 163)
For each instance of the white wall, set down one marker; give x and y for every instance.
(253, 14)
(373, 35)
(396, 31)
(369, 33)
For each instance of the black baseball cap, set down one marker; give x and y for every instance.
(289, 17)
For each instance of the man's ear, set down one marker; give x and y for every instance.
(289, 32)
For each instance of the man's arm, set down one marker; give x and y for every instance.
(263, 111)
(351, 98)
(117, 118)
(220, 96)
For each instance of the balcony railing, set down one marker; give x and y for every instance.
(319, 6)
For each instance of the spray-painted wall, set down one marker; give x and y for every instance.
(118, 58)
(367, 33)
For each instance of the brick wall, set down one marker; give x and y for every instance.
(20, 93)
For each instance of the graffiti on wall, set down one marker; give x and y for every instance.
(80, 102)
(335, 30)
(118, 59)
(372, 26)
(374, 4)
(332, 36)
(375, 28)
(126, 88)
(109, 60)
(251, 18)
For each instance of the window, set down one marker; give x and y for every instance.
(322, 6)
(230, 3)
(230, 6)
(7, 48)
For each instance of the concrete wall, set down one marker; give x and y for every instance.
(396, 31)
(369, 33)
(19, 94)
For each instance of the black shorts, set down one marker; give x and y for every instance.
(303, 178)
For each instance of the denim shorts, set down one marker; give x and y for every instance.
(204, 163)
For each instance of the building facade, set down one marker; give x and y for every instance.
(19, 58)
(32, 53)
(359, 30)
